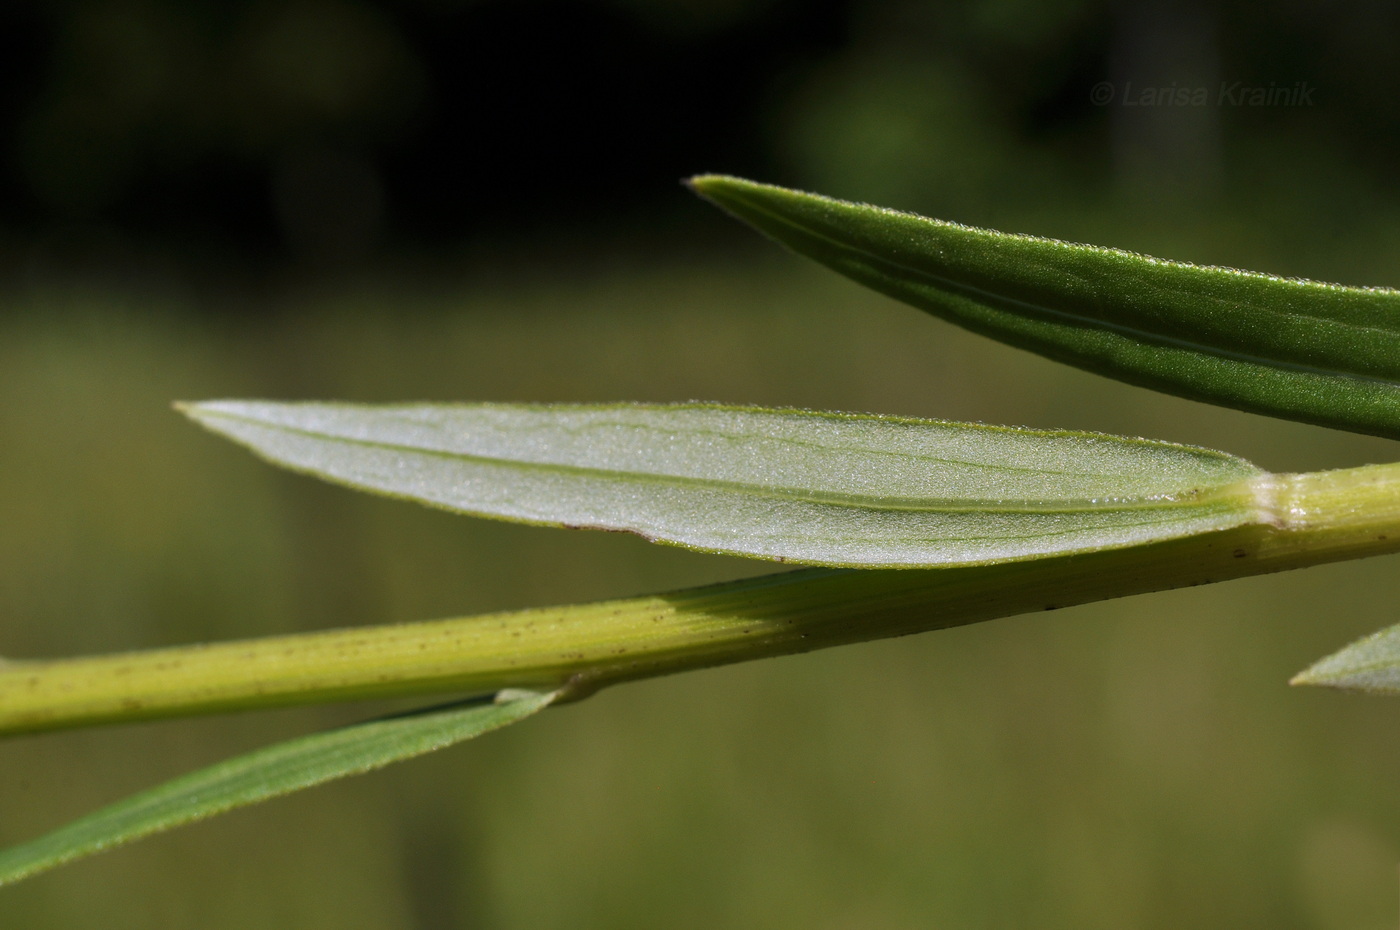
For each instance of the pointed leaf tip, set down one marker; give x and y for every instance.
(1370, 665)
(1303, 350)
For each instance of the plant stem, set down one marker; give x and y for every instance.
(1302, 520)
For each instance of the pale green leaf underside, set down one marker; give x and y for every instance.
(1305, 350)
(267, 773)
(1371, 664)
(815, 488)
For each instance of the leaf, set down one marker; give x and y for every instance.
(817, 488)
(1302, 350)
(268, 773)
(1371, 665)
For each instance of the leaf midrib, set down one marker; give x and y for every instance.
(1194, 497)
(1129, 332)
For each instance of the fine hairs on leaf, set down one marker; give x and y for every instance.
(987, 521)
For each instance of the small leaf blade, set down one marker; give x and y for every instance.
(842, 490)
(1370, 665)
(1302, 350)
(267, 773)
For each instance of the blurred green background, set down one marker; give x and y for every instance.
(477, 200)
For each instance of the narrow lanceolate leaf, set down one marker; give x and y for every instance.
(1320, 353)
(815, 488)
(1371, 664)
(267, 773)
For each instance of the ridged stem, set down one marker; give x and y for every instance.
(1303, 520)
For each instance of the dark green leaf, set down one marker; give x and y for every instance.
(1320, 353)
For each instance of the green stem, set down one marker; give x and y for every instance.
(1302, 520)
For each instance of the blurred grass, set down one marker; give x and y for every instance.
(1132, 764)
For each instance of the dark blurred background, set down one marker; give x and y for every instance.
(310, 136)
(313, 135)
(455, 200)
